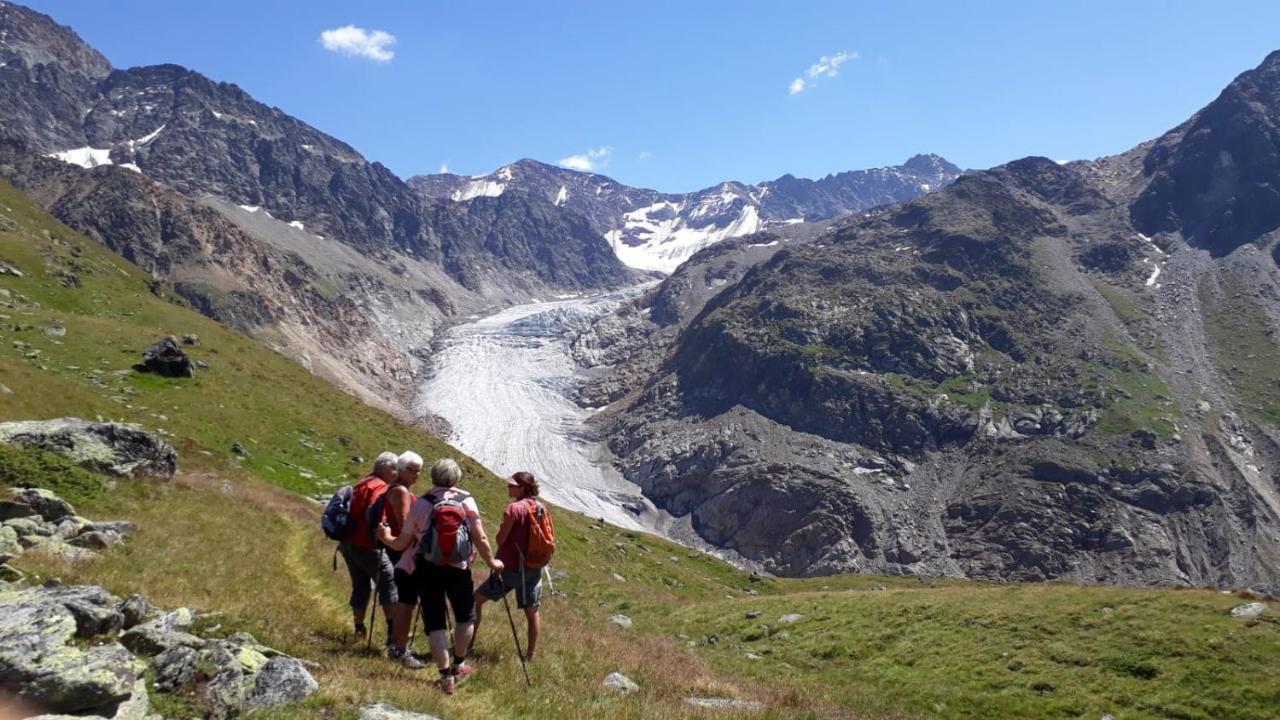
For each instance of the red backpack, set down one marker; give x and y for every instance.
(367, 492)
(542, 536)
(448, 538)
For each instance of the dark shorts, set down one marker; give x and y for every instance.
(528, 591)
(406, 587)
(435, 584)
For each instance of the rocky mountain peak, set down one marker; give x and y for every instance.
(35, 39)
(1213, 178)
(930, 164)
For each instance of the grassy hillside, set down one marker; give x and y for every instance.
(235, 535)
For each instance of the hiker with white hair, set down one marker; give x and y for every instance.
(396, 506)
(368, 564)
(442, 534)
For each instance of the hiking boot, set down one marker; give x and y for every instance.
(447, 684)
(360, 633)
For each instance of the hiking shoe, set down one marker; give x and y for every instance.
(411, 662)
(461, 672)
(360, 633)
(447, 684)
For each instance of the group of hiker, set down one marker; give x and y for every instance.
(417, 552)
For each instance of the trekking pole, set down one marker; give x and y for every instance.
(546, 573)
(514, 636)
(413, 626)
(373, 614)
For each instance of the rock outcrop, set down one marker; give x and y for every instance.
(43, 663)
(37, 519)
(117, 449)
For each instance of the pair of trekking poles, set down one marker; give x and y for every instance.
(417, 610)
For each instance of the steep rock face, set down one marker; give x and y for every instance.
(1001, 379)
(657, 231)
(1214, 179)
(48, 72)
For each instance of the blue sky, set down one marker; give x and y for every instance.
(681, 95)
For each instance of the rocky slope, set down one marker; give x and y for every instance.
(264, 222)
(1041, 371)
(657, 231)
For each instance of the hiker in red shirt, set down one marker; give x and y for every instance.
(513, 547)
(399, 500)
(367, 562)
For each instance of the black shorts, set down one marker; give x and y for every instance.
(437, 582)
(406, 587)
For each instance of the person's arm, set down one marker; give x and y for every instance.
(482, 545)
(408, 531)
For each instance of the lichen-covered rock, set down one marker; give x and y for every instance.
(229, 690)
(46, 503)
(133, 610)
(112, 448)
(383, 711)
(70, 679)
(93, 619)
(282, 680)
(95, 540)
(10, 509)
(166, 631)
(9, 545)
(28, 526)
(620, 683)
(175, 667)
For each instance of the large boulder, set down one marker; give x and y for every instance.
(38, 664)
(163, 633)
(165, 357)
(282, 680)
(113, 448)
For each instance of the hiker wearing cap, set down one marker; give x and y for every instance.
(513, 552)
(367, 563)
(441, 535)
(398, 500)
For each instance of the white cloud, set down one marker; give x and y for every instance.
(644, 155)
(353, 41)
(444, 168)
(589, 161)
(828, 66)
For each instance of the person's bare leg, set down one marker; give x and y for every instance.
(535, 628)
(401, 615)
(475, 626)
(440, 649)
(463, 633)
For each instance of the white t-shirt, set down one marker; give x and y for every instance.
(419, 519)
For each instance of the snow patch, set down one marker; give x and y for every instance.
(657, 237)
(479, 188)
(250, 208)
(1154, 274)
(771, 243)
(562, 196)
(85, 157)
(793, 221)
(131, 166)
(504, 173)
(148, 138)
(297, 224)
